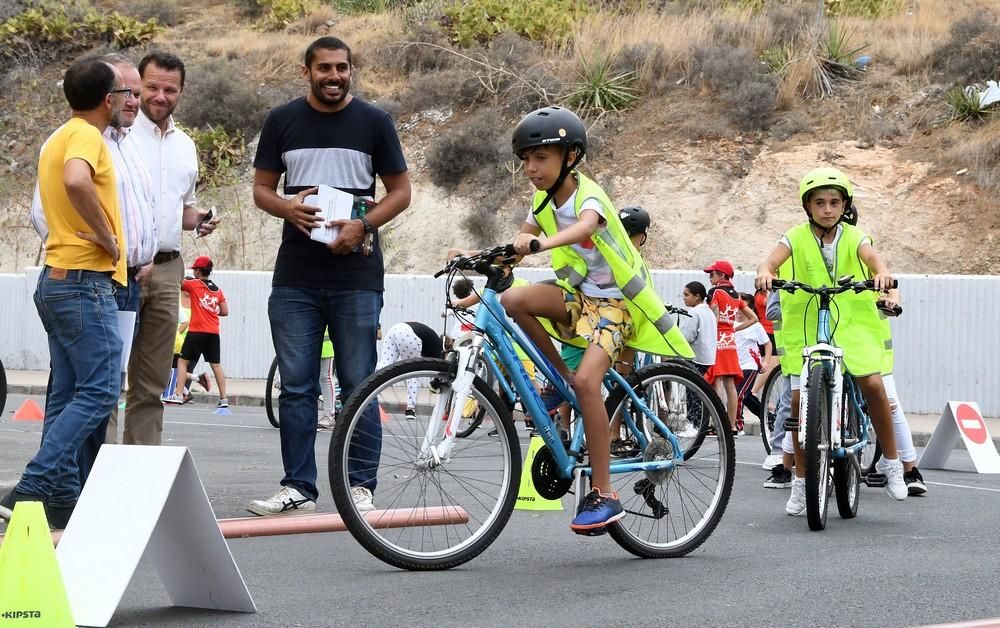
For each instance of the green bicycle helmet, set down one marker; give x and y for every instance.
(827, 178)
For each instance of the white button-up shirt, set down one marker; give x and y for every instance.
(173, 168)
(135, 197)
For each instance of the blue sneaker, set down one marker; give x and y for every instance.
(596, 512)
(551, 400)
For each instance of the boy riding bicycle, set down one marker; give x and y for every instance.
(603, 298)
(818, 252)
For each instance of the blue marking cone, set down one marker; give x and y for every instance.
(222, 412)
(527, 497)
(31, 587)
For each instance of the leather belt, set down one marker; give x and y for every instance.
(165, 256)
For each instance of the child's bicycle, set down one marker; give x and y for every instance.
(834, 425)
(440, 501)
(272, 390)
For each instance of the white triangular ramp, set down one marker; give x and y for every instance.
(146, 500)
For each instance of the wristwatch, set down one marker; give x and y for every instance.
(367, 225)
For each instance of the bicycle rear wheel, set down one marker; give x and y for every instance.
(431, 513)
(847, 470)
(670, 513)
(272, 389)
(818, 447)
(3, 388)
(770, 394)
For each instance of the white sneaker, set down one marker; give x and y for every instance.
(287, 500)
(325, 422)
(362, 499)
(174, 399)
(893, 472)
(772, 461)
(796, 505)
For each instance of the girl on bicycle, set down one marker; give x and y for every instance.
(818, 252)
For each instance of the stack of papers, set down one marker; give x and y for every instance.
(334, 204)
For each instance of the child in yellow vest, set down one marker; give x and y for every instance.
(818, 252)
(603, 298)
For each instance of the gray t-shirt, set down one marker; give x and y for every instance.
(700, 331)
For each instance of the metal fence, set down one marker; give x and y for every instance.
(945, 342)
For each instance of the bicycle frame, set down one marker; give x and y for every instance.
(492, 324)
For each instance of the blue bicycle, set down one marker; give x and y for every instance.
(440, 500)
(836, 427)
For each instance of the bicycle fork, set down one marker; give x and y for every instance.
(440, 435)
(830, 357)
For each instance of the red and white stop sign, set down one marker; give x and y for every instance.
(971, 423)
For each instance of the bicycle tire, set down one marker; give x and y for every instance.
(3, 388)
(773, 386)
(660, 521)
(847, 470)
(401, 468)
(270, 400)
(817, 447)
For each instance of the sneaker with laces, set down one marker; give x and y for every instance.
(551, 400)
(363, 500)
(895, 487)
(174, 399)
(770, 461)
(326, 422)
(204, 381)
(796, 505)
(223, 403)
(914, 482)
(596, 512)
(286, 501)
(8, 501)
(411, 414)
(780, 477)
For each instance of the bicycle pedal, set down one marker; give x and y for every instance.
(876, 480)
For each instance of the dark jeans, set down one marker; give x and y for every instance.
(128, 301)
(298, 318)
(80, 317)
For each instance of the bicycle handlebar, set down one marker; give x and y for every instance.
(504, 252)
(857, 286)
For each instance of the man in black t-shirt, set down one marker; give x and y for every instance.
(328, 137)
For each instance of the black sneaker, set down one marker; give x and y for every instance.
(59, 515)
(780, 477)
(8, 501)
(411, 414)
(914, 482)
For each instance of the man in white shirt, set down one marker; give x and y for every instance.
(173, 166)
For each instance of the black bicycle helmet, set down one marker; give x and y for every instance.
(851, 215)
(550, 125)
(635, 219)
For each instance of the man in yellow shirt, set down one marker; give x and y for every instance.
(75, 296)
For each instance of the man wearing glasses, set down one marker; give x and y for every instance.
(75, 296)
(136, 201)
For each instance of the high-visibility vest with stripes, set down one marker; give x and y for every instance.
(854, 319)
(653, 329)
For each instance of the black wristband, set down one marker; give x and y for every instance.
(367, 225)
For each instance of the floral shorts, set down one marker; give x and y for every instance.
(604, 322)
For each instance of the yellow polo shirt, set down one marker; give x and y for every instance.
(78, 139)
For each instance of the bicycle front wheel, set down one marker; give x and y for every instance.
(430, 512)
(669, 513)
(847, 470)
(818, 447)
(770, 395)
(272, 390)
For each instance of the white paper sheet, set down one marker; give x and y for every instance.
(334, 204)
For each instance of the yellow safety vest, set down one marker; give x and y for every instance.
(854, 319)
(653, 329)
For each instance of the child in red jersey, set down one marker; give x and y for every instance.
(208, 303)
(725, 301)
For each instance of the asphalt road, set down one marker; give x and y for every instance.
(922, 561)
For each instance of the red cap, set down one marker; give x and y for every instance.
(721, 266)
(203, 261)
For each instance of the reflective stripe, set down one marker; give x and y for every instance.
(664, 324)
(633, 287)
(779, 351)
(569, 274)
(888, 343)
(777, 325)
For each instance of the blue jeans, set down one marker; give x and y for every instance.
(127, 298)
(80, 317)
(298, 318)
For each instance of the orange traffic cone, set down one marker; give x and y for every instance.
(29, 411)
(383, 414)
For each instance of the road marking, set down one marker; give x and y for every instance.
(245, 427)
(974, 488)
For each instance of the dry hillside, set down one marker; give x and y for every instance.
(726, 120)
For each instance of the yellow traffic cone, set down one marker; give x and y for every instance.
(527, 497)
(31, 588)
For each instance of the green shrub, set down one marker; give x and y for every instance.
(357, 7)
(475, 144)
(163, 11)
(219, 95)
(278, 14)
(648, 60)
(540, 20)
(599, 88)
(63, 28)
(218, 153)
(965, 104)
(863, 8)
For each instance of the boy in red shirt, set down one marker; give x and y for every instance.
(207, 305)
